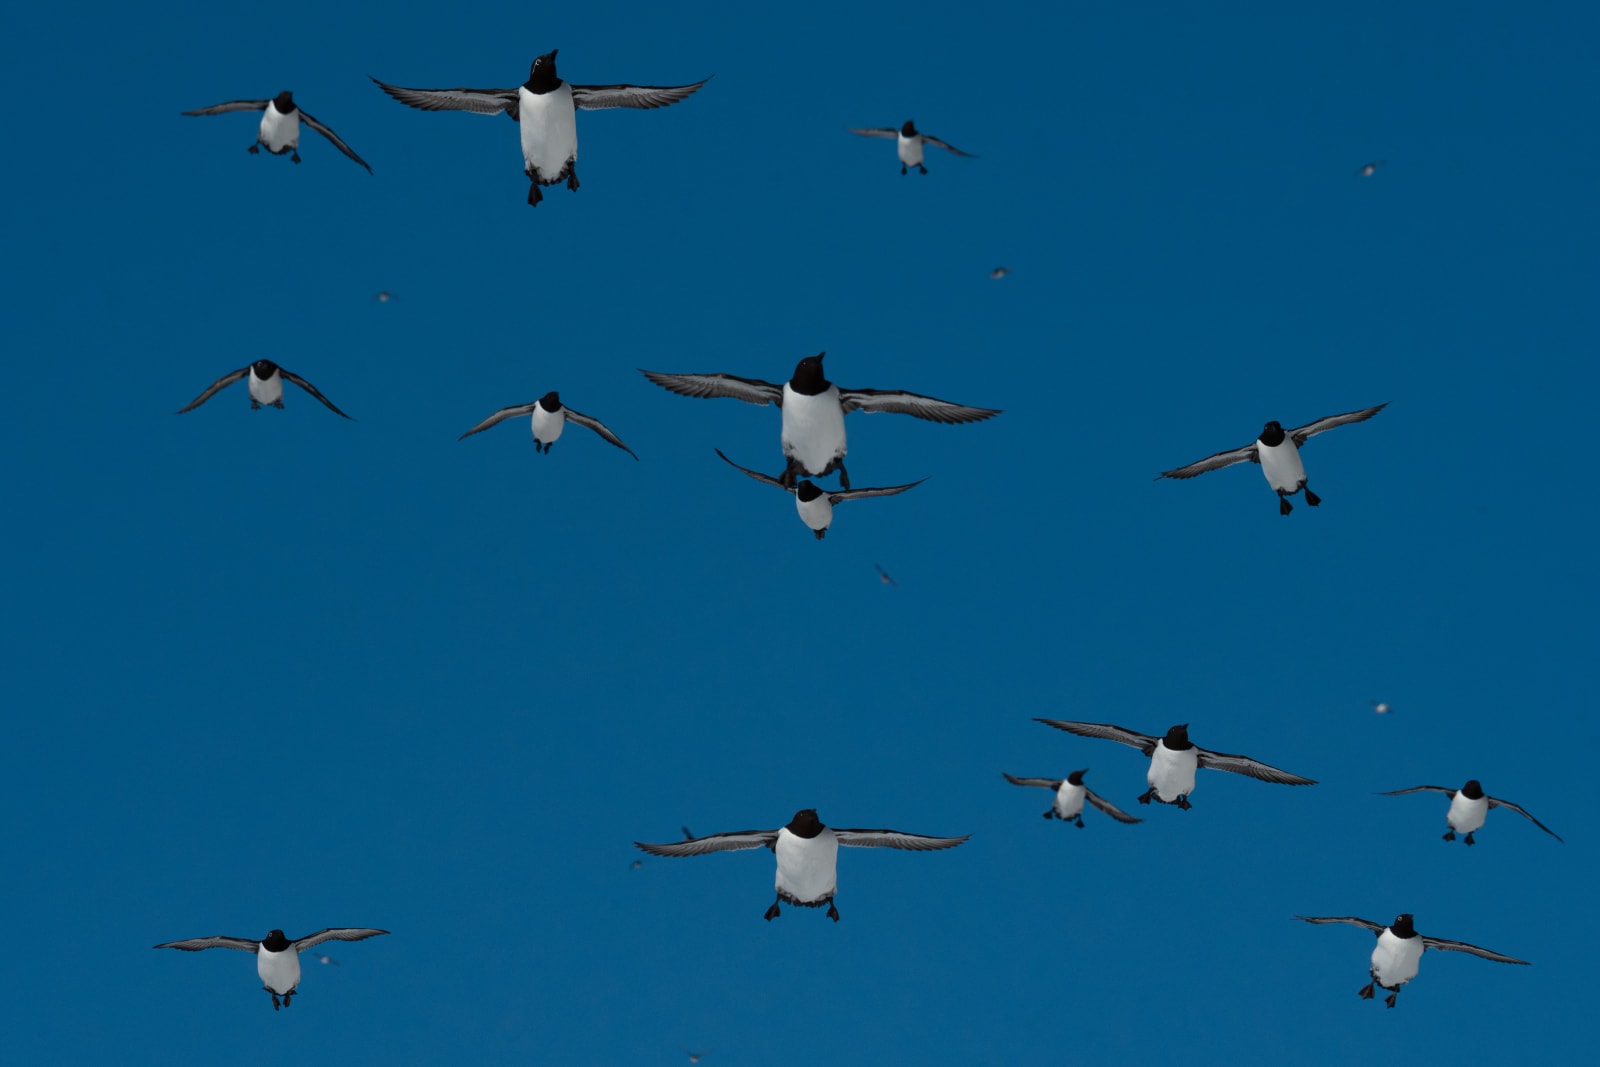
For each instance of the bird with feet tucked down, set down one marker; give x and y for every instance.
(277, 957)
(909, 143)
(550, 417)
(1469, 807)
(1174, 759)
(807, 853)
(1398, 953)
(1278, 452)
(814, 408)
(1070, 795)
(815, 504)
(546, 109)
(266, 387)
(280, 125)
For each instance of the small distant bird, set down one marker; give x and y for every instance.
(280, 125)
(1369, 169)
(1174, 758)
(883, 576)
(1398, 953)
(550, 417)
(383, 297)
(636, 865)
(1379, 707)
(266, 387)
(327, 960)
(909, 143)
(277, 957)
(815, 504)
(814, 408)
(1070, 795)
(695, 1057)
(546, 109)
(999, 272)
(807, 853)
(1278, 452)
(1469, 807)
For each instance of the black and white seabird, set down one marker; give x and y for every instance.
(546, 107)
(550, 417)
(1469, 807)
(814, 408)
(1399, 952)
(1070, 795)
(280, 125)
(807, 853)
(815, 504)
(277, 957)
(909, 143)
(266, 387)
(1369, 169)
(1278, 452)
(1174, 758)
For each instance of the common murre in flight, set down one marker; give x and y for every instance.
(277, 957)
(807, 854)
(550, 417)
(909, 142)
(814, 408)
(1469, 807)
(280, 125)
(546, 108)
(1070, 793)
(1399, 950)
(266, 387)
(816, 504)
(1278, 452)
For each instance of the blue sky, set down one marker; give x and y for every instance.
(277, 669)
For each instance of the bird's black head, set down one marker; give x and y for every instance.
(1178, 737)
(1272, 434)
(542, 75)
(805, 823)
(284, 102)
(275, 941)
(551, 401)
(808, 377)
(264, 368)
(1472, 790)
(807, 491)
(1402, 926)
(1076, 777)
(909, 129)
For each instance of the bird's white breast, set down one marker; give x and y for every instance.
(807, 866)
(1171, 773)
(547, 426)
(549, 132)
(817, 513)
(1466, 814)
(1395, 959)
(266, 390)
(1069, 800)
(813, 428)
(1281, 465)
(280, 131)
(279, 971)
(909, 149)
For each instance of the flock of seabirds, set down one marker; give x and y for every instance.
(814, 446)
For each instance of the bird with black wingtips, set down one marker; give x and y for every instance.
(814, 408)
(909, 142)
(1278, 452)
(807, 854)
(1174, 759)
(1469, 807)
(1070, 796)
(546, 108)
(549, 418)
(277, 956)
(266, 387)
(814, 503)
(1398, 953)
(280, 125)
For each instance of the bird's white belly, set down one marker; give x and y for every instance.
(279, 132)
(549, 133)
(279, 971)
(269, 391)
(1069, 800)
(1171, 774)
(547, 426)
(910, 150)
(1395, 959)
(817, 513)
(1466, 814)
(813, 428)
(1282, 467)
(807, 867)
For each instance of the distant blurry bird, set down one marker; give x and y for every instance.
(326, 960)
(383, 297)
(1469, 807)
(999, 272)
(883, 576)
(280, 125)
(266, 387)
(815, 504)
(549, 419)
(695, 1057)
(1379, 707)
(1369, 169)
(908, 144)
(636, 865)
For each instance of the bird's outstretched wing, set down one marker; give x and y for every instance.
(1520, 810)
(1365, 924)
(750, 390)
(501, 416)
(699, 846)
(1042, 783)
(903, 403)
(336, 933)
(232, 105)
(601, 97)
(196, 944)
(1451, 793)
(1216, 462)
(1322, 425)
(895, 839)
(948, 147)
(308, 387)
(1461, 946)
(598, 427)
(1143, 742)
(875, 131)
(211, 390)
(1224, 761)
(477, 101)
(841, 495)
(338, 142)
(757, 475)
(1106, 806)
